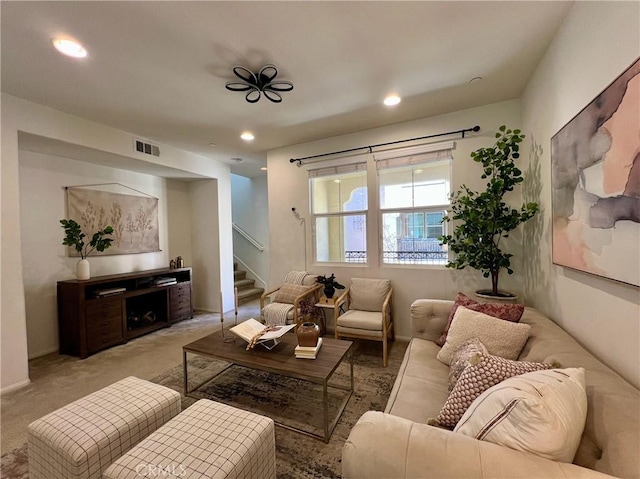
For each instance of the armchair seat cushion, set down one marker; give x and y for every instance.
(367, 320)
(360, 333)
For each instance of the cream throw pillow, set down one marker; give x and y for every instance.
(501, 338)
(542, 412)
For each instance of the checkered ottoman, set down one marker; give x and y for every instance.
(81, 439)
(206, 440)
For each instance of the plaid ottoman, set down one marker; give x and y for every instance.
(81, 439)
(206, 440)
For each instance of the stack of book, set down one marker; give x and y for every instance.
(101, 293)
(164, 281)
(307, 352)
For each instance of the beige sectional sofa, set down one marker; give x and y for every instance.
(398, 443)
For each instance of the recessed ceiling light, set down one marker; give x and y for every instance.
(264, 168)
(70, 48)
(212, 144)
(247, 136)
(237, 160)
(475, 80)
(392, 100)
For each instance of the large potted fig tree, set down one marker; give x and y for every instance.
(483, 219)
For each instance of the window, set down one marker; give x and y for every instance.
(413, 186)
(339, 207)
(414, 195)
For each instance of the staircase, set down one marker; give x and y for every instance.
(246, 287)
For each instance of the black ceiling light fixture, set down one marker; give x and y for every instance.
(257, 83)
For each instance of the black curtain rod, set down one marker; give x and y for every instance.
(370, 147)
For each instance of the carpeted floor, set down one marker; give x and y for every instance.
(286, 400)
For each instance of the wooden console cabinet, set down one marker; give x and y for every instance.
(101, 312)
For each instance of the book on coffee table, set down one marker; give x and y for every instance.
(308, 352)
(255, 332)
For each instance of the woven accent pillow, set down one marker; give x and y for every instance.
(542, 412)
(501, 338)
(483, 372)
(506, 311)
(289, 292)
(461, 357)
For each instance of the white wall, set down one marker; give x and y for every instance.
(44, 258)
(288, 187)
(179, 220)
(23, 116)
(205, 241)
(597, 42)
(13, 327)
(250, 210)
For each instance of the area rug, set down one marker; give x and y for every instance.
(293, 402)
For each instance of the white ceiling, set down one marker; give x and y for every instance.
(158, 69)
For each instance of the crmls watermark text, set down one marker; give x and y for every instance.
(157, 470)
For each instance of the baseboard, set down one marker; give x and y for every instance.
(13, 387)
(206, 310)
(43, 353)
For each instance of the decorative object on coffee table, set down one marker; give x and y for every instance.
(254, 332)
(308, 334)
(483, 219)
(74, 237)
(330, 285)
(309, 312)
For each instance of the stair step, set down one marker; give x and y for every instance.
(243, 284)
(250, 294)
(239, 275)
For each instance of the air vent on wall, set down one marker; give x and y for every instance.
(146, 148)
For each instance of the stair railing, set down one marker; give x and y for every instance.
(248, 237)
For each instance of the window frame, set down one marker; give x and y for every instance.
(372, 163)
(397, 163)
(339, 214)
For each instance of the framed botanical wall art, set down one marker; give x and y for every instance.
(133, 216)
(595, 176)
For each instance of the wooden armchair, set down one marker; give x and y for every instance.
(370, 312)
(281, 305)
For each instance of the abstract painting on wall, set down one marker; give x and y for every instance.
(595, 176)
(134, 217)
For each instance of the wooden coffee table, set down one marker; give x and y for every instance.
(280, 360)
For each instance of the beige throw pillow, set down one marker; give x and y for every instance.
(367, 294)
(542, 412)
(501, 338)
(289, 292)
